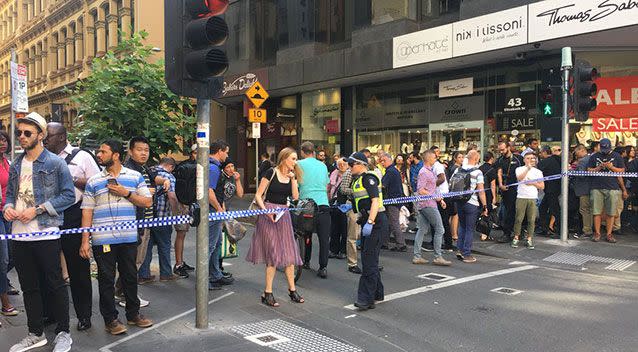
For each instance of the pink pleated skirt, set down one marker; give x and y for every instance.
(273, 243)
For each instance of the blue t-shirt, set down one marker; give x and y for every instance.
(315, 181)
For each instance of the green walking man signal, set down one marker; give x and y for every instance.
(547, 109)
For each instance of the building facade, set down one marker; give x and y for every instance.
(57, 41)
(401, 75)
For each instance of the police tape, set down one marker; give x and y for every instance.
(236, 214)
(148, 223)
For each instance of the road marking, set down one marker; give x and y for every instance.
(581, 259)
(445, 284)
(511, 263)
(108, 347)
(350, 316)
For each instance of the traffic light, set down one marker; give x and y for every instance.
(195, 57)
(584, 90)
(547, 102)
(549, 97)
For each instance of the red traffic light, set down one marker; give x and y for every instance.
(206, 8)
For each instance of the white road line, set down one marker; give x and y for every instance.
(449, 283)
(350, 316)
(107, 348)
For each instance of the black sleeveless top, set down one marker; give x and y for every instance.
(277, 192)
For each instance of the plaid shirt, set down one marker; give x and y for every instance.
(162, 206)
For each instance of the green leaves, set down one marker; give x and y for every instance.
(126, 96)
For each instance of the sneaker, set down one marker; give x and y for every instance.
(169, 278)
(428, 247)
(441, 262)
(412, 230)
(188, 267)
(223, 281)
(448, 248)
(145, 280)
(419, 260)
(9, 312)
(12, 291)
(141, 321)
(226, 274)
(29, 342)
(62, 342)
(355, 269)
(181, 271)
(143, 302)
(514, 243)
(459, 255)
(115, 327)
(469, 259)
(530, 243)
(332, 255)
(214, 286)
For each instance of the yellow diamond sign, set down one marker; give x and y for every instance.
(257, 94)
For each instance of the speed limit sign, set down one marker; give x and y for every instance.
(257, 115)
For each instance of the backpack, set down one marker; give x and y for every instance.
(461, 181)
(303, 218)
(185, 179)
(75, 152)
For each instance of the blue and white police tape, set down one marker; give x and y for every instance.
(147, 223)
(602, 174)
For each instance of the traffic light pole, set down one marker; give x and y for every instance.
(201, 299)
(566, 68)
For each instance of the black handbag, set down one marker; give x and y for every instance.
(484, 225)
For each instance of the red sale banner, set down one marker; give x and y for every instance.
(611, 124)
(617, 97)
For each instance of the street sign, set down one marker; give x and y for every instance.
(19, 96)
(257, 115)
(257, 94)
(256, 130)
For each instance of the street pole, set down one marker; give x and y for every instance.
(13, 113)
(566, 66)
(203, 148)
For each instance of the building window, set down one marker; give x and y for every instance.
(321, 119)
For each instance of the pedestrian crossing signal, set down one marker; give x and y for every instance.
(547, 109)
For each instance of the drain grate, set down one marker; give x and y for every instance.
(267, 339)
(507, 291)
(283, 336)
(435, 277)
(580, 259)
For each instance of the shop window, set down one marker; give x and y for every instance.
(384, 11)
(321, 119)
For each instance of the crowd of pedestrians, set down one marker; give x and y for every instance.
(53, 185)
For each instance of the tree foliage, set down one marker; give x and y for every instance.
(126, 95)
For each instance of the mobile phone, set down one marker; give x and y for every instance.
(112, 181)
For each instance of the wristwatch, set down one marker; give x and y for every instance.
(39, 210)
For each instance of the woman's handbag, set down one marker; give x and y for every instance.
(235, 230)
(253, 204)
(484, 225)
(228, 249)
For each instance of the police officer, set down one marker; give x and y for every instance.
(368, 203)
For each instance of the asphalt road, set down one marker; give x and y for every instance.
(559, 309)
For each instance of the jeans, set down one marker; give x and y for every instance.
(445, 217)
(370, 285)
(121, 256)
(36, 259)
(428, 219)
(338, 235)
(509, 210)
(323, 225)
(4, 262)
(393, 212)
(549, 207)
(160, 236)
(468, 214)
(214, 249)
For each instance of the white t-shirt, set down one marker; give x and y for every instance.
(528, 191)
(25, 198)
(438, 169)
(81, 166)
(476, 177)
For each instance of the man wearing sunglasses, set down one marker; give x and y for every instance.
(40, 188)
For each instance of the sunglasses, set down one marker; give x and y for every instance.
(27, 134)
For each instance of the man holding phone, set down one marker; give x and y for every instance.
(111, 197)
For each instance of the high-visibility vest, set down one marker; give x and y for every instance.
(359, 192)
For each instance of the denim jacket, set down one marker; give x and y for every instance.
(52, 187)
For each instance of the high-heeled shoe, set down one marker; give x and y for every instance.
(269, 300)
(295, 297)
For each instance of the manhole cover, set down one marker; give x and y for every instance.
(267, 339)
(507, 291)
(436, 277)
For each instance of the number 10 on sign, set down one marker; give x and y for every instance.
(257, 115)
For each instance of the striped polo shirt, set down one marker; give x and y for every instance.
(109, 209)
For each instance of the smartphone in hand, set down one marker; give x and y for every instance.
(112, 181)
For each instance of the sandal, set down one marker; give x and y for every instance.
(269, 300)
(9, 312)
(295, 297)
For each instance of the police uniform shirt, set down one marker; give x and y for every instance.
(371, 185)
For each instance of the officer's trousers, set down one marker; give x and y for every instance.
(370, 285)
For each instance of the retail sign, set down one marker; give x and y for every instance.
(19, 95)
(498, 30)
(610, 124)
(456, 87)
(332, 126)
(257, 94)
(423, 46)
(617, 97)
(559, 18)
(513, 121)
(257, 115)
(457, 109)
(238, 84)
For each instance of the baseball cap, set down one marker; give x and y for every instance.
(36, 119)
(358, 157)
(605, 145)
(227, 162)
(547, 149)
